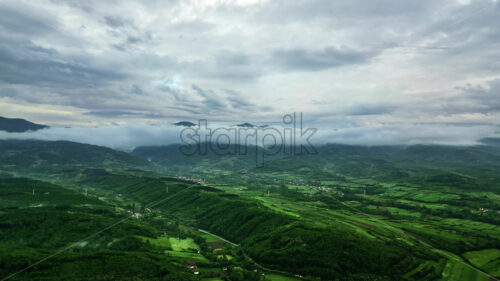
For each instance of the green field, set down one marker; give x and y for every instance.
(182, 244)
(194, 257)
(488, 260)
(276, 277)
(161, 242)
(458, 271)
(274, 204)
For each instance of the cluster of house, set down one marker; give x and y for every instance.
(320, 188)
(195, 180)
(134, 214)
(484, 210)
(326, 189)
(194, 269)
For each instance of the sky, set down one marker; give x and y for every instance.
(362, 72)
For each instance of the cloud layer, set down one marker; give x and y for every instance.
(127, 137)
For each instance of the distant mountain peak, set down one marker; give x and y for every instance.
(185, 124)
(17, 125)
(250, 125)
(246, 125)
(490, 141)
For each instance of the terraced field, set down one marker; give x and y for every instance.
(412, 214)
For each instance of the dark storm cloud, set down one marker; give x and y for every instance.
(232, 65)
(355, 12)
(242, 66)
(223, 101)
(83, 5)
(227, 100)
(316, 60)
(230, 58)
(136, 89)
(23, 62)
(115, 22)
(236, 100)
(178, 94)
(479, 16)
(188, 109)
(468, 99)
(192, 26)
(482, 99)
(471, 38)
(92, 99)
(165, 62)
(211, 100)
(370, 109)
(239, 102)
(129, 35)
(26, 22)
(126, 114)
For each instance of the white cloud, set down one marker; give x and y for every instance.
(448, 134)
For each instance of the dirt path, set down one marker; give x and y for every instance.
(225, 240)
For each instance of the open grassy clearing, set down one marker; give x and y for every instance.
(329, 182)
(316, 213)
(161, 242)
(276, 205)
(422, 195)
(301, 188)
(483, 257)
(469, 226)
(436, 267)
(192, 257)
(430, 196)
(458, 271)
(228, 257)
(182, 244)
(428, 229)
(276, 277)
(493, 268)
(428, 205)
(364, 181)
(394, 211)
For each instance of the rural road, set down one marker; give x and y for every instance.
(246, 256)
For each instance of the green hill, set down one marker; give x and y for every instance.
(17, 125)
(49, 157)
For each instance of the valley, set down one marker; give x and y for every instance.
(241, 223)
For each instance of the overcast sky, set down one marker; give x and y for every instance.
(344, 64)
